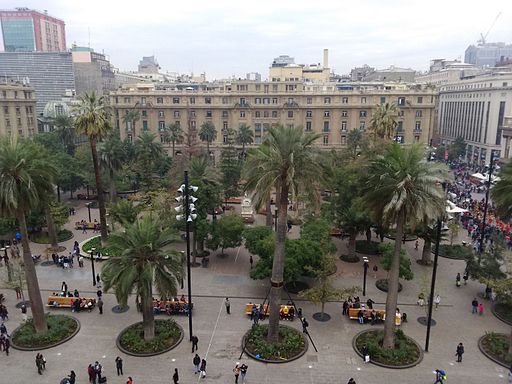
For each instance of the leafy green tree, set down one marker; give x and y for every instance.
(226, 232)
(70, 174)
(64, 126)
(501, 193)
(405, 271)
(130, 119)
(285, 159)
(457, 149)
(253, 241)
(324, 291)
(384, 121)
(173, 134)
(93, 120)
(401, 184)
(354, 142)
(26, 178)
(244, 136)
(112, 157)
(148, 154)
(318, 230)
(208, 134)
(230, 168)
(143, 260)
(354, 219)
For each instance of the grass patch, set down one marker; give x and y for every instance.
(59, 328)
(291, 343)
(349, 259)
(456, 251)
(496, 345)
(167, 334)
(368, 247)
(42, 237)
(95, 242)
(504, 311)
(406, 351)
(382, 284)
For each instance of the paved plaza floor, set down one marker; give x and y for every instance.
(220, 334)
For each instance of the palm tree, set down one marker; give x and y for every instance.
(26, 178)
(130, 118)
(354, 219)
(125, 212)
(208, 133)
(354, 140)
(143, 260)
(244, 135)
(501, 193)
(148, 152)
(402, 184)
(93, 121)
(64, 126)
(173, 134)
(112, 154)
(384, 120)
(285, 160)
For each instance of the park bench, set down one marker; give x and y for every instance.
(66, 302)
(171, 307)
(88, 224)
(352, 314)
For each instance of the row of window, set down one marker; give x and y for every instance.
(28, 110)
(400, 101)
(30, 121)
(24, 94)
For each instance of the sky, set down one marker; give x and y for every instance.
(226, 38)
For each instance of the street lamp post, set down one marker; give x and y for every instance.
(88, 205)
(189, 215)
(365, 272)
(91, 253)
(433, 283)
(482, 234)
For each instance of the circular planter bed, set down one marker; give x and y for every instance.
(42, 237)
(427, 264)
(168, 335)
(368, 247)
(349, 259)
(61, 328)
(455, 252)
(319, 317)
(407, 352)
(382, 284)
(296, 286)
(503, 312)
(291, 345)
(94, 242)
(495, 347)
(408, 236)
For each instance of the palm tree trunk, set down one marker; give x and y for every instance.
(392, 297)
(426, 254)
(99, 189)
(52, 232)
(58, 193)
(278, 264)
(352, 245)
(34, 294)
(368, 234)
(113, 187)
(268, 213)
(173, 148)
(148, 317)
(208, 151)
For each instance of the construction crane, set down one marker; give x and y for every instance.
(484, 37)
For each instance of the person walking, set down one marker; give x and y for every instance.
(481, 309)
(24, 311)
(459, 352)
(81, 261)
(437, 300)
(351, 381)
(119, 365)
(227, 305)
(72, 377)
(474, 306)
(97, 370)
(251, 261)
(130, 380)
(3, 329)
(243, 372)
(305, 325)
(440, 376)
(457, 280)
(194, 340)
(100, 305)
(176, 376)
(416, 245)
(465, 278)
(64, 288)
(202, 369)
(236, 371)
(7, 345)
(39, 363)
(92, 374)
(196, 361)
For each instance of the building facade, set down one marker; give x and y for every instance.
(26, 30)
(283, 68)
(326, 108)
(49, 73)
(93, 71)
(17, 108)
(447, 71)
(488, 54)
(475, 110)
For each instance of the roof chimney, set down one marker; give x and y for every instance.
(326, 58)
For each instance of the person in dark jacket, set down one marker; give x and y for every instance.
(119, 365)
(460, 352)
(175, 377)
(196, 361)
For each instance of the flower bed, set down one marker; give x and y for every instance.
(407, 352)
(503, 311)
(368, 247)
(61, 328)
(495, 347)
(456, 252)
(382, 284)
(291, 344)
(349, 259)
(168, 335)
(42, 237)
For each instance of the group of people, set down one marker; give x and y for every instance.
(172, 307)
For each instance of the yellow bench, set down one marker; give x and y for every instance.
(353, 312)
(66, 302)
(266, 310)
(88, 225)
(171, 307)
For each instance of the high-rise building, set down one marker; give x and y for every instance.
(17, 108)
(475, 109)
(93, 71)
(49, 73)
(148, 64)
(487, 54)
(27, 30)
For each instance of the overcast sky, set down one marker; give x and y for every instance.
(224, 37)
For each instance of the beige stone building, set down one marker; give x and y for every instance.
(17, 109)
(283, 68)
(330, 109)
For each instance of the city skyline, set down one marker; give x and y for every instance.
(230, 38)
